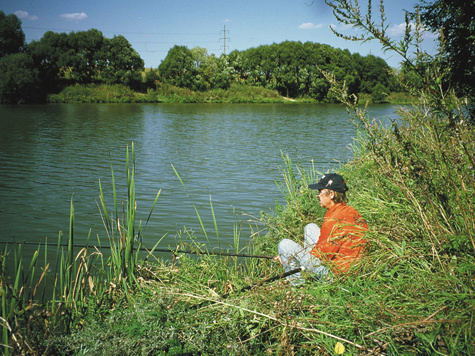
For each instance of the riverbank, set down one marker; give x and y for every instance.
(171, 94)
(411, 294)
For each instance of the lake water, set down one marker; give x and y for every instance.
(229, 154)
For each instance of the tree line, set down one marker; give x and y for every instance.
(30, 72)
(292, 68)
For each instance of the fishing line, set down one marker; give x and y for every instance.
(149, 250)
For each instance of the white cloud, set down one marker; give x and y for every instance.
(78, 16)
(25, 15)
(310, 26)
(400, 30)
(343, 27)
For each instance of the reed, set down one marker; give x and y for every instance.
(80, 281)
(190, 238)
(409, 296)
(122, 229)
(412, 180)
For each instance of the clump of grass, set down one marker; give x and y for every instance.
(123, 236)
(43, 300)
(92, 93)
(119, 93)
(235, 94)
(37, 306)
(412, 293)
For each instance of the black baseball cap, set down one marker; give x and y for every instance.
(331, 181)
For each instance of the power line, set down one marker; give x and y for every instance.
(125, 32)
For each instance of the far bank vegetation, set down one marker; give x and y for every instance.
(88, 67)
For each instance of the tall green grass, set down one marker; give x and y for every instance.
(91, 93)
(414, 183)
(164, 94)
(125, 237)
(81, 281)
(55, 295)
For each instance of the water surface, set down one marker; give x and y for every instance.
(229, 154)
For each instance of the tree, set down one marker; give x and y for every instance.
(19, 81)
(204, 65)
(83, 56)
(152, 79)
(121, 63)
(380, 94)
(49, 57)
(86, 57)
(291, 68)
(454, 21)
(178, 68)
(374, 70)
(12, 38)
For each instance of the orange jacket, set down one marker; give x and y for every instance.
(341, 237)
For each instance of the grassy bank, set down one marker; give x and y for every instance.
(414, 183)
(165, 94)
(413, 293)
(171, 94)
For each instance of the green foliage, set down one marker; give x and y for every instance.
(235, 94)
(86, 57)
(12, 38)
(454, 22)
(288, 67)
(116, 93)
(151, 79)
(119, 93)
(19, 79)
(166, 93)
(380, 94)
(124, 64)
(178, 68)
(60, 60)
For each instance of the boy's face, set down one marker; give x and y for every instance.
(325, 197)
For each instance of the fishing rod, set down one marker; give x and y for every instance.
(245, 288)
(331, 162)
(267, 280)
(174, 252)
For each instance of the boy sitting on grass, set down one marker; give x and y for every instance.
(336, 245)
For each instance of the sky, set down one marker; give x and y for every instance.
(153, 27)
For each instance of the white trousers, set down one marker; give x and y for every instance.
(294, 256)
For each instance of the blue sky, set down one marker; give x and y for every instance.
(155, 26)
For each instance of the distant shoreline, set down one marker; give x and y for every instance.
(237, 94)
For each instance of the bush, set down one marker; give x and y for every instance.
(380, 94)
(19, 81)
(92, 93)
